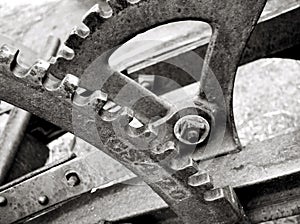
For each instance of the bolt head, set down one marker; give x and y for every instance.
(3, 201)
(192, 135)
(43, 200)
(192, 129)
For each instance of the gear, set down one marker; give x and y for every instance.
(180, 188)
(110, 24)
(184, 188)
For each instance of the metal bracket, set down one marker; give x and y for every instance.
(58, 184)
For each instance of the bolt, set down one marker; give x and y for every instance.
(192, 135)
(192, 129)
(43, 200)
(72, 179)
(3, 201)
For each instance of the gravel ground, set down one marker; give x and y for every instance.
(266, 98)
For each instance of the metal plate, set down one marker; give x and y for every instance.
(23, 198)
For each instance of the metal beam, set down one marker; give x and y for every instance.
(253, 172)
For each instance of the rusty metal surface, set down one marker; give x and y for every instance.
(108, 204)
(61, 101)
(58, 96)
(262, 34)
(57, 186)
(286, 150)
(36, 172)
(227, 43)
(116, 33)
(262, 193)
(279, 176)
(176, 185)
(174, 188)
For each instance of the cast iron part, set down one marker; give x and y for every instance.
(7, 62)
(171, 184)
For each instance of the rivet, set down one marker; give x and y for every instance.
(3, 201)
(43, 200)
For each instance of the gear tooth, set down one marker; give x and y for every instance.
(165, 151)
(33, 75)
(123, 116)
(76, 37)
(105, 10)
(226, 201)
(64, 89)
(51, 83)
(109, 105)
(83, 31)
(96, 100)
(214, 195)
(185, 172)
(133, 1)
(201, 181)
(224, 195)
(7, 55)
(37, 72)
(191, 169)
(183, 163)
(69, 85)
(66, 53)
(9, 61)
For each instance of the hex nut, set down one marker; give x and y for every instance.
(192, 129)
